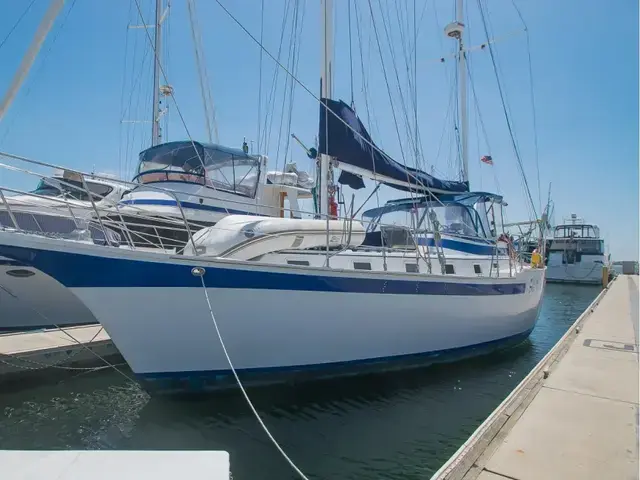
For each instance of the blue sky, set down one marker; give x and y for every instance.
(585, 74)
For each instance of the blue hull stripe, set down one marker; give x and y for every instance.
(472, 248)
(191, 205)
(76, 270)
(327, 369)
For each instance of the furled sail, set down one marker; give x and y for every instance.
(357, 157)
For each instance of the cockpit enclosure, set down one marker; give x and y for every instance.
(222, 168)
(474, 215)
(576, 231)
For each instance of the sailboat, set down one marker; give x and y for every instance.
(327, 296)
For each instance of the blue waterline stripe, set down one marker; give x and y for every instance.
(78, 270)
(191, 205)
(441, 355)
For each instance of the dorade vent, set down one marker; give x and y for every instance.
(362, 265)
(297, 241)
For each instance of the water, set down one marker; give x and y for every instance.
(393, 426)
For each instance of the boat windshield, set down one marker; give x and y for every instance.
(576, 231)
(214, 166)
(454, 219)
(53, 187)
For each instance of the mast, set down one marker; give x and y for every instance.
(29, 57)
(456, 30)
(155, 120)
(326, 91)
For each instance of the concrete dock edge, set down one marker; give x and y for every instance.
(469, 460)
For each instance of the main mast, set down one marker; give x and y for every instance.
(326, 91)
(456, 30)
(155, 121)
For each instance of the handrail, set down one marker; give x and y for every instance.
(109, 215)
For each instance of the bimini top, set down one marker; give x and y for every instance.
(216, 166)
(186, 153)
(466, 199)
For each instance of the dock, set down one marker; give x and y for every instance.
(110, 464)
(70, 349)
(576, 414)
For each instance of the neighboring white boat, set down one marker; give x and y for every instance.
(59, 206)
(576, 253)
(204, 182)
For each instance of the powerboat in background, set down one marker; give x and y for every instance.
(576, 253)
(201, 183)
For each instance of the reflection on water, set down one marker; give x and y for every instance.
(393, 426)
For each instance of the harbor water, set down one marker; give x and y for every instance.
(387, 426)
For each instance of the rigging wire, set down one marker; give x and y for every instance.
(386, 79)
(506, 114)
(350, 52)
(288, 81)
(533, 102)
(15, 25)
(124, 81)
(205, 89)
(270, 107)
(313, 95)
(296, 55)
(258, 137)
(403, 103)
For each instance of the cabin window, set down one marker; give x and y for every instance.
(300, 263)
(477, 269)
(412, 268)
(449, 269)
(55, 187)
(362, 265)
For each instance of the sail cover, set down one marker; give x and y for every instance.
(352, 150)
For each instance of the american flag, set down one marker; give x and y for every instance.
(487, 159)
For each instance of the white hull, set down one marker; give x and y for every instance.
(37, 301)
(279, 318)
(287, 330)
(579, 273)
